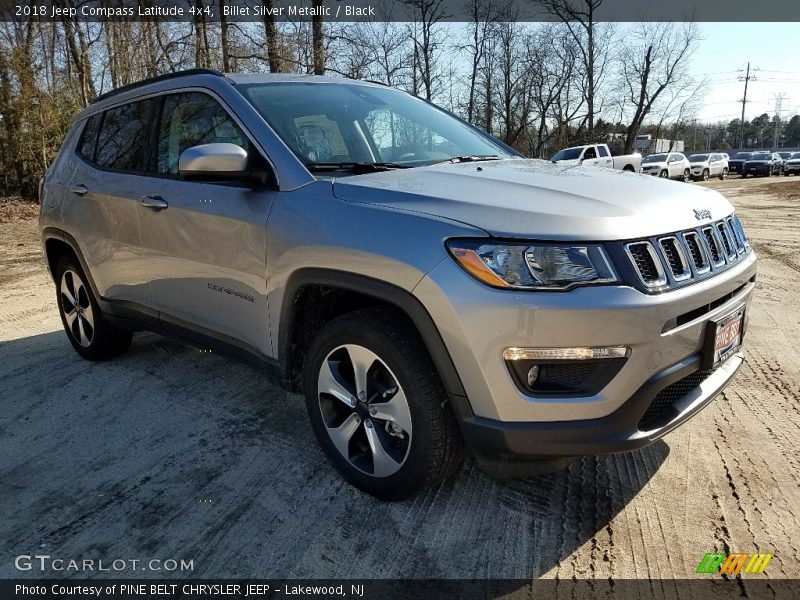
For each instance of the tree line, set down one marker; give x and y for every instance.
(537, 86)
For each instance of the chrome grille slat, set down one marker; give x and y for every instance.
(697, 251)
(726, 239)
(675, 259)
(673, 253)
(647, 264)
(712, 244)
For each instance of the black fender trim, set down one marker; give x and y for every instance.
(388, 293)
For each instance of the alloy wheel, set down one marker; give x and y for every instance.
(364, 409)
(77, 308)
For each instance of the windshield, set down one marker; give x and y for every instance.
(698, 158)
(742, 155)
(568, 154)
(334, 125)
(760, 155)
(656, 158)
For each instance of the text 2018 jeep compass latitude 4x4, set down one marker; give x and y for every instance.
(424, 286)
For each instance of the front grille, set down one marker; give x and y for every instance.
(686, 256)
(658, 413)
(647, 264)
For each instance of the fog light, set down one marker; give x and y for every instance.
(533, 375)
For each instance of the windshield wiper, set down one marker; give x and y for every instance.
(354, 167)
(469, 158)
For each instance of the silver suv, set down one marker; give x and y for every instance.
(421, 284)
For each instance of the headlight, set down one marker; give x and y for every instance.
(535, 266)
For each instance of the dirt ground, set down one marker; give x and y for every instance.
(168, 452)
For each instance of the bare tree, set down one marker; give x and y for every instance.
(428, 42)
(483, 19)
(319, 42)
(654, 60)
(579, 18)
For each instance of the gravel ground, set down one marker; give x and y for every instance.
(169, 452)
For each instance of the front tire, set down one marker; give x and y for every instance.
(377, 406)
(90, 334)
(664, 174)
(724, 174)
(705, 174)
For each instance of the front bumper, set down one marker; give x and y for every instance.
(524, 449)
(757, 169)
(665, 332)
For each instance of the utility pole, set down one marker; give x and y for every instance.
(778, 102)
(747, 79)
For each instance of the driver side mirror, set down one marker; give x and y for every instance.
(213, 161)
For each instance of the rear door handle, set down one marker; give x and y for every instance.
(80, 189)
(155, 202)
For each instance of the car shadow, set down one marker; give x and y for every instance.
(172, 453)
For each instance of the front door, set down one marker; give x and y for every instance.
(205, 242)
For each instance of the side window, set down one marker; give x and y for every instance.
(601, 150)
(122, 143)
(590, 153)
(192, 119)
(88, 143)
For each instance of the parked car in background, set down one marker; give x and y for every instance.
(785, 155)
(708, 165)
(673, 165)
(762, 163)
(791, 166)
(598, 155)
(735, 163)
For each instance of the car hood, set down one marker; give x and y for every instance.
(654, 164)
(758, 161)
(537, 199)
(699, 164)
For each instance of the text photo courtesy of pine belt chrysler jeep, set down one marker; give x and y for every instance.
(425, 287)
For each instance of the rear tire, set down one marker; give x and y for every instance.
(90, 334)
(687, 176)
(398, 410)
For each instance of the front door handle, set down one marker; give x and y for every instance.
(155, 202)
(80, 189)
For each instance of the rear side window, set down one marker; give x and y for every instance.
(122, 143)
(192, 119)
(601, 150)
(88, 143)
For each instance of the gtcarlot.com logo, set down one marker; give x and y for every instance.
(45, 562)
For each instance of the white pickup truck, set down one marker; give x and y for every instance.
(598, 155)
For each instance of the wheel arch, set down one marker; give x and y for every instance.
(314, 296)
(57, 244)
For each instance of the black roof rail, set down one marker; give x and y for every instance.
(164, 77)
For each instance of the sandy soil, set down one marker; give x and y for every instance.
(168, 452)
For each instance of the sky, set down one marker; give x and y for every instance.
(721, 59)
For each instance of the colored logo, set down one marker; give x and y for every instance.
(731, 564)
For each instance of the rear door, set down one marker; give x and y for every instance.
(205, 250)
(103, 208)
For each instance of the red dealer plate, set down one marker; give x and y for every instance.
(727, 335)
